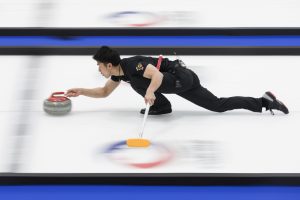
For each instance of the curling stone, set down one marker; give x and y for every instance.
(57, 104)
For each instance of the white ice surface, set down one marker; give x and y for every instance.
(201, 141)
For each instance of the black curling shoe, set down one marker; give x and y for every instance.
(157, 111)
(274, 103)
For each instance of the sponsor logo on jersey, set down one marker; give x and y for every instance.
(139, 67)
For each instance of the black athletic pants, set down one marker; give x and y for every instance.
(185, 83)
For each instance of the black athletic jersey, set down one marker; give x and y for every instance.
(135, 66)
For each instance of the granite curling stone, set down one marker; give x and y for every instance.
(57, 104)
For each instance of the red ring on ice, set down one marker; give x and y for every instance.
(165, 155)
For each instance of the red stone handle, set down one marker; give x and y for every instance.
(56, 93)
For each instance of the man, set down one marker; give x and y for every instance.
(172, 78)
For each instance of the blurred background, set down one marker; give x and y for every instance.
(134, 13)
(237, 48)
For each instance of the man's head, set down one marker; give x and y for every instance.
(107, 59)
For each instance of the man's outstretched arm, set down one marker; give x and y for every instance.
(99, 92)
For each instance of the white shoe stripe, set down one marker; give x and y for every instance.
(268, 97)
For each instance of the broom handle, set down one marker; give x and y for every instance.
(144, 120)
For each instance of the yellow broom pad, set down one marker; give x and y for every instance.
(139, 142)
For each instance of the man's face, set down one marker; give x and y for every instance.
(104, 69)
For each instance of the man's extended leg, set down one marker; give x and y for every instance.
(204, 98)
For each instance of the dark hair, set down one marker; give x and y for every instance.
(107, 55)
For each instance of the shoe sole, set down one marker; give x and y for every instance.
(271, 94)
(159, 113)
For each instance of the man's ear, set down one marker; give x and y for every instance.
(109, 65)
